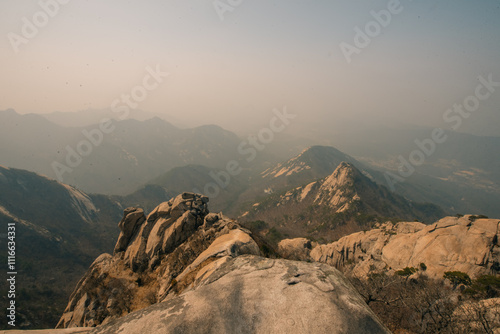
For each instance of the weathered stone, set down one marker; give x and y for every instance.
(296, 249)
(451, 244)
(131, 221)
(211, 219)
(150, 259)
(250, 294)
(233, 244)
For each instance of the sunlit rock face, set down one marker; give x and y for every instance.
(182, 269)
(452, 244)
(251, 294)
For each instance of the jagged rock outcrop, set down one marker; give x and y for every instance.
(338, 190)
(251, 294)
(182, 269)
(154, 256)
(452, 244)
(132, 219)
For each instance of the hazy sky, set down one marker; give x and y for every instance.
(264, 54)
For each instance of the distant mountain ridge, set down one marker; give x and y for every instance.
(94, 116)
(124, 159)
(454, 197)
(312, 163)
(195, 178)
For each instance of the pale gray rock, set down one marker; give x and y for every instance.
(251, 294)
(296, 249)
(451, 244)
(156, 257)
(131, 221)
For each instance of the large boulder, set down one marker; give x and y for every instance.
(251, 294)
(462, 244)
(296, 249)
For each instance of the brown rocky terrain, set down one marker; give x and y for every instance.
(183, 269)
(465, 244)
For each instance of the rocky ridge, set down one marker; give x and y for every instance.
(183, 269)
(462, 244)
(151, 252)
(344, 202)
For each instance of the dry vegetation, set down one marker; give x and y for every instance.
(423, 305)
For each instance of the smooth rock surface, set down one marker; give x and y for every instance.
(296, 249)
(451, 244)
(251, 294)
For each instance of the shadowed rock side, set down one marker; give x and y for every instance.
(251, 294)
(184, 270)
(452, 244)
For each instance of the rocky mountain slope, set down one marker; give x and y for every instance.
(183, 269)
(456, 186)
(59, 231)
(343, 202)
(313, 163)
(468, 244)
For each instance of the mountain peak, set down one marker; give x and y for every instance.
(313, 162)
(346, 167)
(338, 190)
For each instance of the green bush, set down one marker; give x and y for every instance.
(473, 217)
(274, 235)
(457, 277)
(257, 225)
(406, 272)
(487, 286)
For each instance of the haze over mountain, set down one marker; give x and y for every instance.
(133, 152)
(244, 61)
(461, 175)
(213, 132)
(128, 153)
(94, 116)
